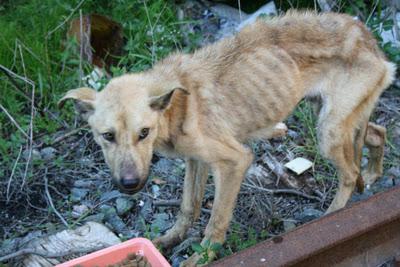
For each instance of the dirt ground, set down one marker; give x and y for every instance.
(272, 200)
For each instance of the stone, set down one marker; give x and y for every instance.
(48, 153)
(155, 189)
(79, 210)
(77, 194)
(146, 209)
(163, 165)
(123, 205)
(161, 222)
(83, 183)
(308, 214)
(288, 225)
(110, 195)
(34, 156)
(394, 172)
(112, 219)
(95, 218)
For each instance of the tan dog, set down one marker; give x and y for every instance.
(204, 106)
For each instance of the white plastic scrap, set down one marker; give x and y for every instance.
(299, 165)
(94, 78)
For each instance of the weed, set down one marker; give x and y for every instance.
(204, 250)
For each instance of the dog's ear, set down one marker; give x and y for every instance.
(83, 100)
(161, 102)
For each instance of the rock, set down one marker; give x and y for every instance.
(48, 153)
(396, 134)
(146, 209)
(155, 189)
(113, 220)
(123, 205)
(79, 210)
(163, 165)
(293, 134)
(86, 161)
(176, 261)
(394, 172)
(34, 156)
(161, 222)
(288, 225)
(308, 214)
(77, 194)
(107, 210)
(359, 197)
(95, 218)
(110, 195)
(83, 183)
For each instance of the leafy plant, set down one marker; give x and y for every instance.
(204, 250)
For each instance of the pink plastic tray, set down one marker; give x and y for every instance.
(118, 253)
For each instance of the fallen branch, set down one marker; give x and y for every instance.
(175, 203)
(283, 191)
(68, 134)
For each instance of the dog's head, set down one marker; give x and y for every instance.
(125, 120)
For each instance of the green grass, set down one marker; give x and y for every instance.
(34, 45)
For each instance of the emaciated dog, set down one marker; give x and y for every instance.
(203, 106)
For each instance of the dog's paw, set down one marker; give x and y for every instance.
(369, 178)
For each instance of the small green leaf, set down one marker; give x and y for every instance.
(216, 247)
(197, 248)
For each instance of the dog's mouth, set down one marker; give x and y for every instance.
(130, 191)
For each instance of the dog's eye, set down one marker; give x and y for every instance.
(108, 136)
(144, 133)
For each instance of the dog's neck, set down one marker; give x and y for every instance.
(171, 125)
(167, 75)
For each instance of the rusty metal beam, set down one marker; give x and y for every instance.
(366, 233)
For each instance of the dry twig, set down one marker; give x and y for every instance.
(46, 187)
(13, 121)
(283, 191)
(12, 175)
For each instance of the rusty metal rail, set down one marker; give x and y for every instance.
(366, 233)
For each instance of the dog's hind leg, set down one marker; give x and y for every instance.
(193, 191)
(375, 142)
(342, 136)
(359, 140)
(337, 145)
(229, 160)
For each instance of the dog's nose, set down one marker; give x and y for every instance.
(130, 182)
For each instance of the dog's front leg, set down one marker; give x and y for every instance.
(228, 175)
(193, 192)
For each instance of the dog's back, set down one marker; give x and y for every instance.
(257, 77)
